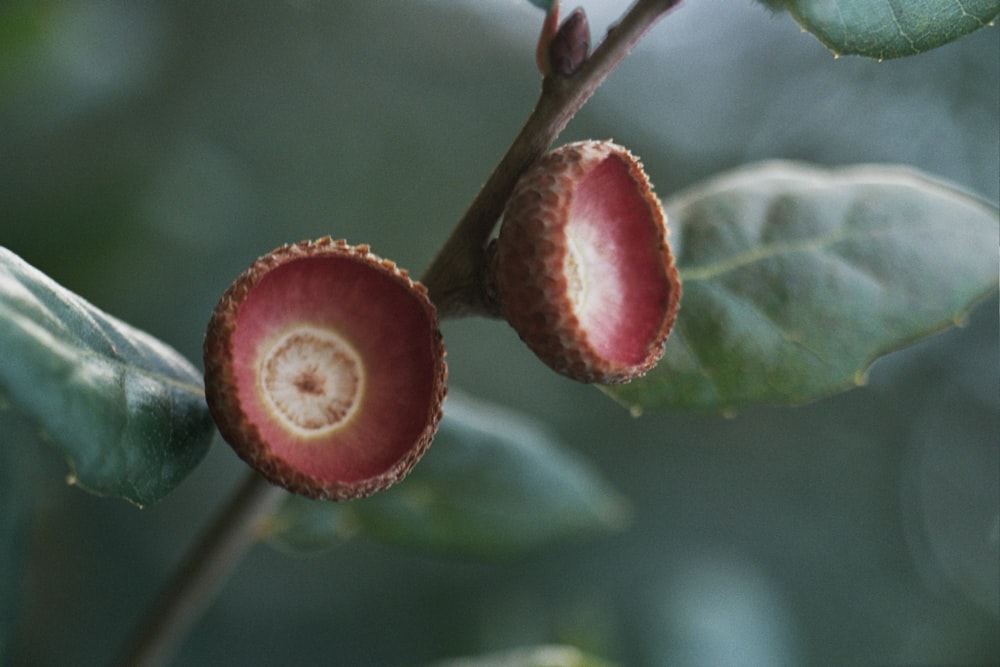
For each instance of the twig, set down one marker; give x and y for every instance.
(204, 572)
(455, 283)
(455, 279)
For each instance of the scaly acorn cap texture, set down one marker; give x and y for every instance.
(325, 369)
(582, 269)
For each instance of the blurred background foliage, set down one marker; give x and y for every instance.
(148, 152)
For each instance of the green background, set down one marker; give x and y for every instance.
(148, 153)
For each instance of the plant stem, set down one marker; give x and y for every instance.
(455, 279)
(206, 569)
(456, 284)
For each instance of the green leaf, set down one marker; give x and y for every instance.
(545, 5)
(126, 410)
(15, 509)
(796, 278)
(492, 484)
(22, 25)
(535, 656)
(302, 525)
(884, 29)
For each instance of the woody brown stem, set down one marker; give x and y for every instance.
(203, 572)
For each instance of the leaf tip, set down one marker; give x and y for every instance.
(635, 410)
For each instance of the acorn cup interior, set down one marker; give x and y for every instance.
(325, 369)
(617, 277)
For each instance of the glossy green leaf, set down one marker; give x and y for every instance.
(126, 410)
(888, 29)
(535, 656)
(796, 278)
(492, 484)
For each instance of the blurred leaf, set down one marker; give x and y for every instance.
(15, 507)
(537, 656)
(303, 525)
(491, 485)
(797, 278)
(22, 25)
(126, 410)
(543, 4)
(881, 30)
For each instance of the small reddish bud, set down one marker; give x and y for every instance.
(570, 47)
(582, 269)
(324, 369)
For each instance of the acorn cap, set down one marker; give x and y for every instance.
(325, 370)
(582, 269)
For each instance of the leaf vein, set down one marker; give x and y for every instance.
(760, 253)
(786, 334)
